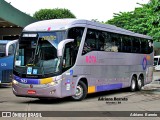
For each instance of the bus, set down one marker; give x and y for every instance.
(73, 57)
(7, 48)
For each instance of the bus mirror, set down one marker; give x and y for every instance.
(8, 44)
(61, 46)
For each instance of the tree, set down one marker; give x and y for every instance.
(45, 14)
(144, 20)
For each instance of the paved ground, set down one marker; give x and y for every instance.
(146, 100)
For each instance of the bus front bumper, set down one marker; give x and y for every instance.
(37, 91)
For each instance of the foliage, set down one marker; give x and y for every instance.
(45, 14)
(144, 20)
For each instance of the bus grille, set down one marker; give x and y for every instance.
(7, 76)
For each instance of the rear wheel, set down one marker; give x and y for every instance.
(139, 83)
(133, 84)
(81, 91)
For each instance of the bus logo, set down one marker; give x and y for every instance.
(91, 59)
(144, 63)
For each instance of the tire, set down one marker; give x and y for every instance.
(133, 84)
(139, 83)
(81, 92)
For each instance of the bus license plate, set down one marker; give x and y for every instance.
(31, 92)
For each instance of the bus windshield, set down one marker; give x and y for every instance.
(2, 50)
(37, 53)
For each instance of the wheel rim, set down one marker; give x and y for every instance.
(139, 83)
(79, 92)
(133, 84)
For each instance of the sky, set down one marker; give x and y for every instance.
(102, 10)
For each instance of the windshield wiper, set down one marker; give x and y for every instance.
(30, 60)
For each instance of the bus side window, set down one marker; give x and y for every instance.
(145, 46)
(126, 44)
(90, 42)
(107, 42)
(2, 50)
(2, 55)
(150, 46)
(116, 43)
(136, 45)
(69, 56)
(101, 41)
(76, 34)
(11, 49)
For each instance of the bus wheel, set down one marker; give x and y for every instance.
(81, 91)
(133, 84)
(139, 83)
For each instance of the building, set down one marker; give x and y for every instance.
(12, 21)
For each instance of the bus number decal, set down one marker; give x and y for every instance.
(91, 59)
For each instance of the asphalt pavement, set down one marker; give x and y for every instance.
(155, 84)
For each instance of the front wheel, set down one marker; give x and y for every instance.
(81, 91)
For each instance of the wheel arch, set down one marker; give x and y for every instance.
(81, 84)
(83, 79)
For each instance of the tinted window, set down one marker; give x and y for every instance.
(126, 44)
(90, 42)
(136, 45)
(113, 42)
(2, 50)
(116, 42)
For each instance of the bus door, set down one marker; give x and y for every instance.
(68, 62)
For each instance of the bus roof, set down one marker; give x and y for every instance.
(63, 24)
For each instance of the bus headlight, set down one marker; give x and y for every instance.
(15, 82)
(56, 81)
(52, 83)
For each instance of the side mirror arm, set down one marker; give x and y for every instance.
(61, 46)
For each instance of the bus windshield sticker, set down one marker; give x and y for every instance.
(51, 37)
(18, 63)
(29, 70)
(34, 71)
